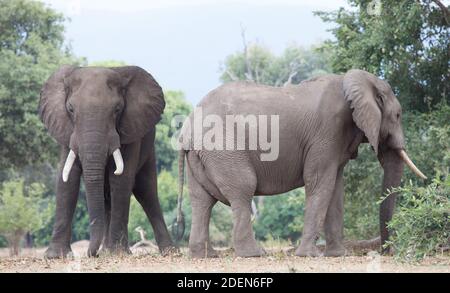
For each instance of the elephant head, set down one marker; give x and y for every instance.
(377, 112)
(93, 111)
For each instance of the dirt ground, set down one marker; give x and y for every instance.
(149, 260)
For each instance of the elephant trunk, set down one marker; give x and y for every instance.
(93, 154)
(393, 169)
(94, 179)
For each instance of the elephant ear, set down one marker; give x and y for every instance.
(144, 103)
(360, 92)
(52, 106)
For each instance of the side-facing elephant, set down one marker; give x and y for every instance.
(104, 120)
(321, 123)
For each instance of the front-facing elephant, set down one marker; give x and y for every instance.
(322, 121)
(104, 120)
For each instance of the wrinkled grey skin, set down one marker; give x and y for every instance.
(94, 111)
(322, 122)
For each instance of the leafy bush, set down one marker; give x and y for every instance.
(281, 217)
(421, 226)
(19, 211)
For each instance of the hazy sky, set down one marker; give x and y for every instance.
(183, 43)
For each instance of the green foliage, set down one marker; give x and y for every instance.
(20, 211)
(422, 224)
(176, 104)
(167, 194)
(31, 48)
(267, 68)
(428, 141)
(281, 217)
(137, 218)
(406, 42)
(362, 183)
(167, 190)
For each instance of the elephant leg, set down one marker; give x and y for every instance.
(319, 185)
(334, 220)
(202, 204)
(118, 227)
(66, 201)
(236, 181)
(244, 240)
(146, 192)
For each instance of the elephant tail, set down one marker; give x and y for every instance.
(179, 225)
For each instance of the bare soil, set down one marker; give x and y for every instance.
(149, 260)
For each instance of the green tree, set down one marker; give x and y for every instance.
(406, 42)
(19, 211)
(31, 48)
(259, 64)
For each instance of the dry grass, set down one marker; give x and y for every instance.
(278, 260)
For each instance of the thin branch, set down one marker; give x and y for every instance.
(291, 76)
(248, 74)
(232, 76)
(444, 9)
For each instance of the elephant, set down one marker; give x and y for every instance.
(104, 121)
(321, 123)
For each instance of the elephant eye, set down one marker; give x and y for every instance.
(70, 108)
(398, 116)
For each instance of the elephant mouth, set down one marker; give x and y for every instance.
(118, 160)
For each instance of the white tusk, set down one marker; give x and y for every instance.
(119, 162)
(68, 165)
(410, 164)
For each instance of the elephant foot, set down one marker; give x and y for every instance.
(211, 253)
(92, 252)
(252, 251)
(202, 251)
(388, 251)
(118, 249)
(167, 248)
(54, 252)
(304, 251)
(334, 250)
